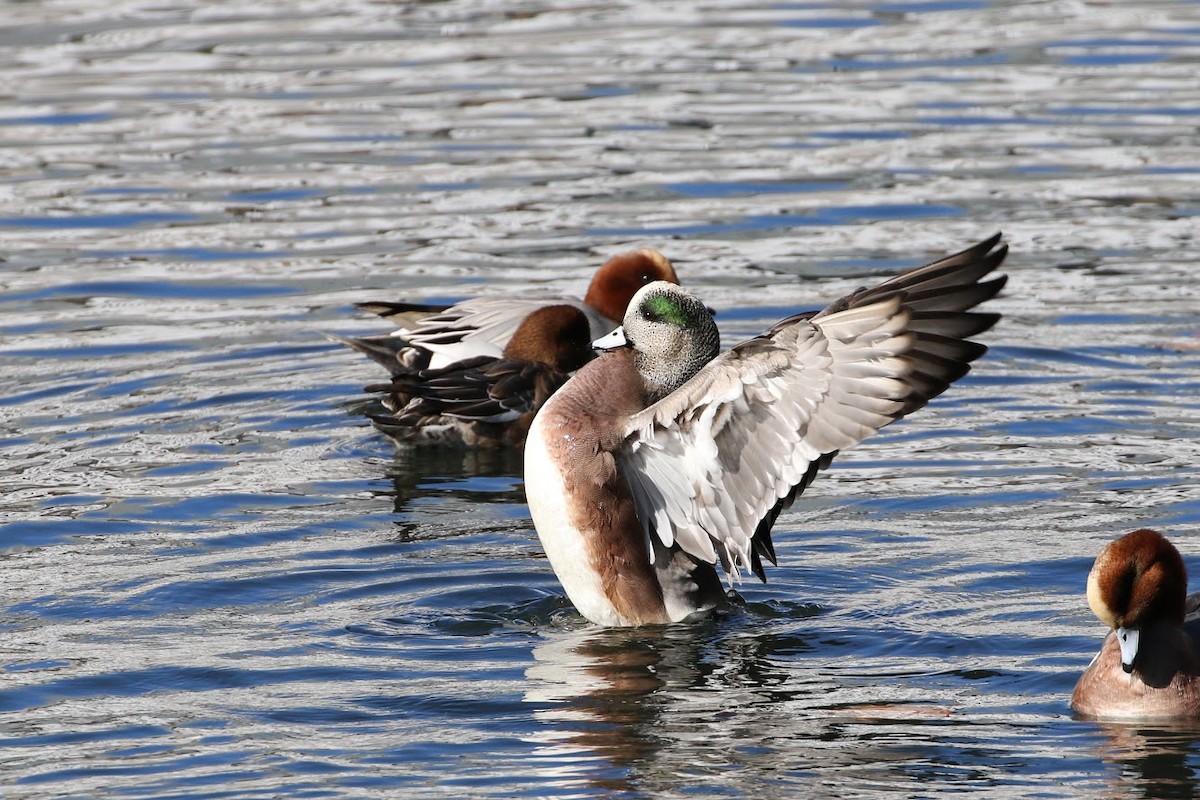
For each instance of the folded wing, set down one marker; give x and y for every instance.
(482, 389)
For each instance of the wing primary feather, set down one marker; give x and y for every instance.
(725, 454)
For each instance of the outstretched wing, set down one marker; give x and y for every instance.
(713, 464)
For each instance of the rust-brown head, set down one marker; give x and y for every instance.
(557, 336)
(1137, 580)
(618, 280)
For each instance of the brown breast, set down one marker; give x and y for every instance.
(584, 425)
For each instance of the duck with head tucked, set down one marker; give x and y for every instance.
(662, 458)
(1149, 664)
(435, 337)
(486, 401)
(475, 373)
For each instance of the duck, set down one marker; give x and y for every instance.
(488, 401)
(1148, 667)
(664, 457)
(437, 336)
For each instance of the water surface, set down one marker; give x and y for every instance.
(219, 581)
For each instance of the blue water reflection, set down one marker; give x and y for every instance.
(219, 581)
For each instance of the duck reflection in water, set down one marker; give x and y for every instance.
(1158, 762)
(633, 709)
(608, 698)
(470, 475)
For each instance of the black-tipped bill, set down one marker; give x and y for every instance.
(611, 341)
(1127, 638)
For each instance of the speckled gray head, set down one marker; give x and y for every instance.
(672, 333)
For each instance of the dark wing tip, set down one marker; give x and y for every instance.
(385, 308)
(939, 298)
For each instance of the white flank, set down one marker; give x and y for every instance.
(565, 545)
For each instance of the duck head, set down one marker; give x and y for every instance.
(557, 336)
(1137, 580)
(616, 282)
(672, 335)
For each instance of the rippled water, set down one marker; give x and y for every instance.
(219, 581)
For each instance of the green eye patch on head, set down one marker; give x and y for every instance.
(662, 308)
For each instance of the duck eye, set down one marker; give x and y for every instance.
(1124, 637)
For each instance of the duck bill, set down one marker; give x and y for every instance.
(611, 341)
(1127, 638)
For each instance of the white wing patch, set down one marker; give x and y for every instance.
(482, 326)
(709, 462)
(477, 327)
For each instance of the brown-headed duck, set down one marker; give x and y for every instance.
(661, 458)
(434, 337)
(1149, 665)
(486, 400)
